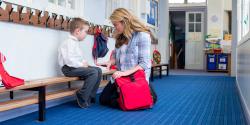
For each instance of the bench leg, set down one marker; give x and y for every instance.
(167, 69)
(41, 103)
(160, 71)
(152, 74)
(11, 95)
(69, 85)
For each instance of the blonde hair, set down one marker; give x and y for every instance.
(131, 24)
(77, 23)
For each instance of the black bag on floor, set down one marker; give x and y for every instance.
(110, 95)
(153, 93)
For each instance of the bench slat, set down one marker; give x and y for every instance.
(41, 82)
(69, 92)
(18, 103)
(11, 104)
(48, 81)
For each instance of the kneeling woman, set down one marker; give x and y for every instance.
(132, 51)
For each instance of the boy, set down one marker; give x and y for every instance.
(74, 65)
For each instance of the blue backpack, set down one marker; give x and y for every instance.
(100, 48)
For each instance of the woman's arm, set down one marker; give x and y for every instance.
(144, 45)
(143, 56)
(119, 74)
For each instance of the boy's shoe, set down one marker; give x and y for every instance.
(92, 100)
(80, 101)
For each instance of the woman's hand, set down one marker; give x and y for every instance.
(119, 74)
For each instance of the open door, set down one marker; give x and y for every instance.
(194, 40)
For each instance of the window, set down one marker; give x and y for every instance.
(27, 3)
(196, 1)
(176, 1)
(194, 22)
(69, 8)
(62, 3)
(187, 1)
(111, 5)
(191, 27)
(131, 5)
(198, 17)
(198, 27)
(191, 17)
(69, 4)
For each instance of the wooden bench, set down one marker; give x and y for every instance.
(41, 98)
(159, 67)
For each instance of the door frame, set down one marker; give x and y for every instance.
(194, 9)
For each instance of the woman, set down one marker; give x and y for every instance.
(132, 51)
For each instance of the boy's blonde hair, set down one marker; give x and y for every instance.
(77, 23)
(131, 24)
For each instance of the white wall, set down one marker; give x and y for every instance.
(95, 11)
(243, 73)
(215, 9)
(32, 52)
(227, 7)
(226, 21)
(163, 44)
(227, 4)
(242, 58)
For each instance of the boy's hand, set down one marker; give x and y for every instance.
(106, 64)
(85, 64)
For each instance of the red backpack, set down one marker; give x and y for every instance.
(134, 92)
(8, 80)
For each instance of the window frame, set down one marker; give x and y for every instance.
(111, 5)
(52, 8)
(65, 10)
(186, 2)
(170, 2)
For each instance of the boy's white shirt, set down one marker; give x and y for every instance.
(71, 54)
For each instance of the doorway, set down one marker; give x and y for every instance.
(177, 34)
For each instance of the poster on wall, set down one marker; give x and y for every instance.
(152, 17)
(245, 17)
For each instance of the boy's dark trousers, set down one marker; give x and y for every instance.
(90, 75)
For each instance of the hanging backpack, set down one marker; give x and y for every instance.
(100, 48)
(7, 80)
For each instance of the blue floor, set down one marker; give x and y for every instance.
(187, 100)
